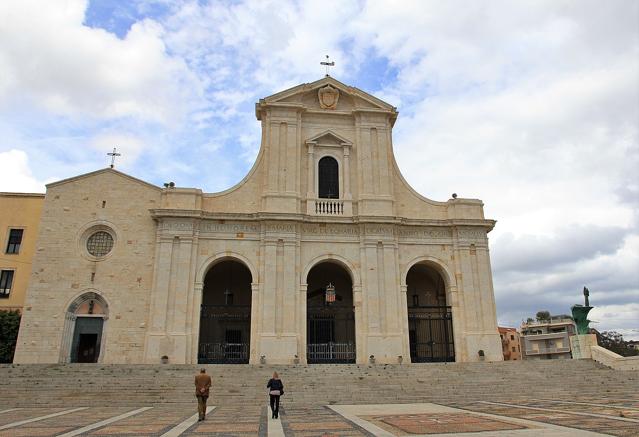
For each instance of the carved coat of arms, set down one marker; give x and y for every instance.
(328, 97)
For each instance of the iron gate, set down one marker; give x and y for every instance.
(430, 331)
(224, 334)
(330, 335)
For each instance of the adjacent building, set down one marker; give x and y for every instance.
(19, 219)
(510, 344)
(547, 339)
(322, 254)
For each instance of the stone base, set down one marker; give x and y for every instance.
(580, 345)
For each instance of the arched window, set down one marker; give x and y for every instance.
(328, 178)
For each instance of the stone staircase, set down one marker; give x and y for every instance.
(139, 385)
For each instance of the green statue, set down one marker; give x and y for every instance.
(580, 314)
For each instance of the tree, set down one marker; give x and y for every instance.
(543, 316)
(9, 326)
(613, 341)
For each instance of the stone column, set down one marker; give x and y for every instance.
(403, 289)
(360, 326)
(301, 349)
(255, 320)
(310, 188)
(156, 331)
(457, 313)
(195, 322)
(268, 299)
(347, 173)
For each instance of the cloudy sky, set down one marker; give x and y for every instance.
(532, 107)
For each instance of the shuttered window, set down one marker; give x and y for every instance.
(15, 240)
(6, 281)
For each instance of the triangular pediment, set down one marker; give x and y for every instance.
(329, 137)
(359, 99)
(102, 172)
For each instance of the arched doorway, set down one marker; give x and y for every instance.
(225, 315)
(83, 335)
(430, 321)
(330, 324)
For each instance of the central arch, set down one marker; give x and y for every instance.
(225, 314)
(330, 318)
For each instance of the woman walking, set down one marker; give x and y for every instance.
(276, 389)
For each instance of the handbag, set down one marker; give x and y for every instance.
(275, 393)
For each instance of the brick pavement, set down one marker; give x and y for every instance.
(585, 416)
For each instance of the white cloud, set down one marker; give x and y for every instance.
(15, 174)
(49, 57)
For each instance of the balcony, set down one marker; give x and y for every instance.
(329, 207)
(548, 336)
(548, 350)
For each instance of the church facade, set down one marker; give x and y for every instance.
(321, 254)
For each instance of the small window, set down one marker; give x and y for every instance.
(99, 244)
(6, 281)
(512, 337)
(15, 239)
(328, 178)
(514, 349)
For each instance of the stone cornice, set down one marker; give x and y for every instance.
(158, 214)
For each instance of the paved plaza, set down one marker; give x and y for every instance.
(534, 417)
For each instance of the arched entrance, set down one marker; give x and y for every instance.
(330, 324)
(83, 339)
(430, 321)
(225, 315)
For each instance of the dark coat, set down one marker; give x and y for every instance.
(275, 384)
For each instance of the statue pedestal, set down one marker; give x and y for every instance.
(580, 345)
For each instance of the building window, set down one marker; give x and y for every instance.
(15, 239)
(512, 337)
(514, 349)
(99, 244)
(328, 178)
(6, 280)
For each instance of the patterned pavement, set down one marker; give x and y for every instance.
(532, 417)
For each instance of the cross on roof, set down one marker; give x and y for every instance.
(113, 155)
(328, 64)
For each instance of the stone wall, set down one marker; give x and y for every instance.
(63, 270)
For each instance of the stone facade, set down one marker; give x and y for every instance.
(277, 225)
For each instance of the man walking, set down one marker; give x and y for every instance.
(202, 385)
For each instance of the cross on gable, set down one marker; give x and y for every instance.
(113, 155)
(328, 64)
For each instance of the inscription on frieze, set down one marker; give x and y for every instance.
(330, 230)
(231, 228)
(380, 230)
(176, 226)
(424, 232)
(471, 234)
(280, 227)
